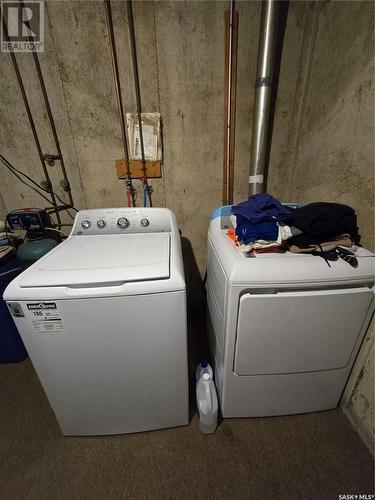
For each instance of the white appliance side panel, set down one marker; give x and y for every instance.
(216, 354)
(216, 281)
(216, 292)
(217, 316)
(216, 277)
(292, 332)
(118, 366)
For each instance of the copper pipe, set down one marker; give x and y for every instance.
(229, 110)
(226, 108)
(233, 96)
(116, 80)
(230, 43)
(31, 120)
(133, 47)
(50, 116)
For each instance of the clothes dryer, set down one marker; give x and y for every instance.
(284, 328)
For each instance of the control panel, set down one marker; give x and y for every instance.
(122, 221)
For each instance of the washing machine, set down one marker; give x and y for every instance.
(103, 318)
(284, 329)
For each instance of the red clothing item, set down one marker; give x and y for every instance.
(232, 235)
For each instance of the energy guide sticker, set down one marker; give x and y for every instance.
(45, 317)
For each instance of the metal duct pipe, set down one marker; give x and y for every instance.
(263, 94)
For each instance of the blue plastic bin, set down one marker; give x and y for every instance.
(12, 349)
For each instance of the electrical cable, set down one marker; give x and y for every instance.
(52, 209)
(13, 169)
(57, 231)
(28, 185)
(10, 166)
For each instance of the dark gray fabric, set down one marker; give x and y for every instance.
(323, 221)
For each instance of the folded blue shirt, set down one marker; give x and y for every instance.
(263, 207)
(249, 232)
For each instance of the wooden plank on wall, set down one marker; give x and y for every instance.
(153, 169)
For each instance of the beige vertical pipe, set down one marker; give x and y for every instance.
(263, 94)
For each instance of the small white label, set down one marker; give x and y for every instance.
(45, 317)
(256, 179)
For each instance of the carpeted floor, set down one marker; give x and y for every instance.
(313, 456)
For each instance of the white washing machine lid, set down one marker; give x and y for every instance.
(101, 260)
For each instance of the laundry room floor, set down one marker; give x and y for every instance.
(296, 457)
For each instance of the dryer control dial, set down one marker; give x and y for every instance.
(100, 223)
(85, 224)
(145, 222)
(123, 222)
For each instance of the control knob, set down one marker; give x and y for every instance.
(85, 224)
(100, 223)
(123, 222)
(145, 222)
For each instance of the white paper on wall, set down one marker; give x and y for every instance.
(151, 136)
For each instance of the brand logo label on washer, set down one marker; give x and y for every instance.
(42, 305)
(45, 317)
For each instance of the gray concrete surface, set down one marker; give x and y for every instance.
(330, 149)
(322, 147)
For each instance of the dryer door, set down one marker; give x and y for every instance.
(301, 331)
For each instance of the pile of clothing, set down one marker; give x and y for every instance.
(263, 224)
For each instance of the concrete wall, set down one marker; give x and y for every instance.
(180, 51)
(322, 147)
(329, 153)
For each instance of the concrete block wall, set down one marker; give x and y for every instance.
(322, 145)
